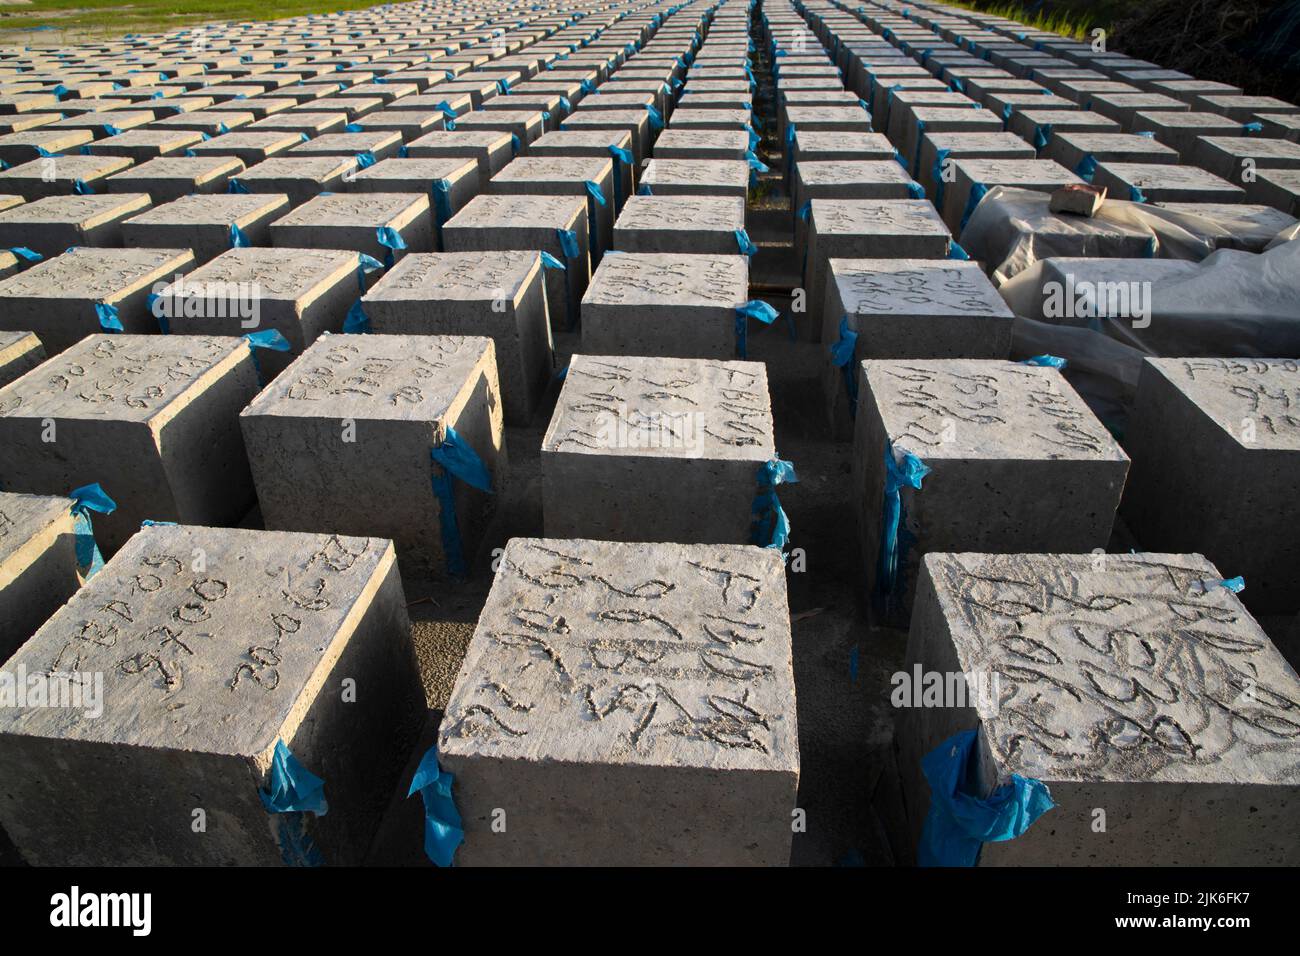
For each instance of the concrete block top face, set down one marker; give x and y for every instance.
(357, 209)
(205, 209)
(224, 660)
(197, 168)
(505, 211)
(67, 167)
(869, 217)
(698, 172)
(702, 139)
(120, 378)
(839, 172)
(915, 287)
(479, 277)
(1171, 119)
(662, 655)
(669, 279)
(576, 169)
(85, 211)
(695, 213)
(964, 409)
(315, 168)
(99, 274)
(25, 517)
(269, 273)
(429, 168)
(663, 407)
(1126, 670)
(1015, 172)
(475, 138)
(1230, 390)
(581, 139)
(1167, 175)
(409, 378)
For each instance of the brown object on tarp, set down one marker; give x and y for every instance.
(1078, 199)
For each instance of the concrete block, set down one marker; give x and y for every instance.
(1040, 175)
(204, 667)
(1279, 188)
(500, 295)
(491, 149)
(1162, 182)
(1218, 434)
(693, 144)
(701, 225)
(627, 704)
(49, 226)
(673, 305)
(963, 146)
(654, 449)
(22, 147)
(381, 144)
(301, 179)
(1238, 158)
(354, 221)
(987, 430)
(142, 145)
(350, 403)
(57, 298)
(168, 178)
(696, 177)
(38, 564)
(1182, 131)
(205, 223)
(592, 143)
(563, 176)
(300, 293)
(151, 418)
(60, 176)
(1119, 684)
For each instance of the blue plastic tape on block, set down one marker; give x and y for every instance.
(977, 192)
(81, 189)
(85, 500)
(365, 159)
(237, 238)
(151, 301)
(456, 459)
(356, 322)
(955, 251)
(959, 822)
(937, 174)
(294, 792)
(550, 262)
(266, 339)
(753, 309)
(770, 526)
(842, 352)
(905, 470)
(915, 191)
(235, 186)
(568, 243)
(390, 239)
(27, 255)
(1136, 195)
(1249, 128)
(1042, 135)
(755, 164)
(441, 206)
(656, 119)
(1046, 361)
(747, 247)
(108, 317)
(365, 265)
(353, 128)
(1087, 168)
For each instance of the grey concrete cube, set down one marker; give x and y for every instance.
(38, 564)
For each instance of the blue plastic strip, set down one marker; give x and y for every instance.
(85, 500)
(237, 238)
(842, 352)
(959, 822)
(356, 322)
(1042, 135)
(441, 207)
(365, 159)
(81, 189)
(955, 251)
(443, 830)
(235, 186)
(907, 473)
(1087, 168)
(770, 527)
(294, 792)
(390, 239)
(753, 309)
(1046, 361)
(27, 255)
(266, 339)
(108, 317)
(977, 192)
(456, 459)
(747, 247)
(936, 173)
(1136, 195)
(365, 265)
(656, 119)
(550, 262)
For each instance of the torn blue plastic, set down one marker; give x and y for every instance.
(842, 352)
(390, 239)
(753, 309)
(936, 173)
(365, 265)
(770, 526)
(1136, 195)
(235, 186)
(1046, 361)
(365, 159)
(356, 322)
(456, 459)
(805, 210)
(1151, 248)
(977, 192)
(915, 190)
(907, 472)
(656, 118)
(1042, 135)
(85, 500)
(955, 251)
(108, 317)
(568, 243)
(1249, 128)
(266, 339)
(443, 831)
(1087, 168)
(27, 255)
(747, 247)
(960, 823)
(237, 238)
(566, 105)
(441, 192)
(81, 189)
(294, 792)
(353, 128)
(755, 164)
(550, 262)
(515, 145)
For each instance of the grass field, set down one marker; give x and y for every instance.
(41, 22)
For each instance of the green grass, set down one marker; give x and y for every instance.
(1072, 23)
(116, 17)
